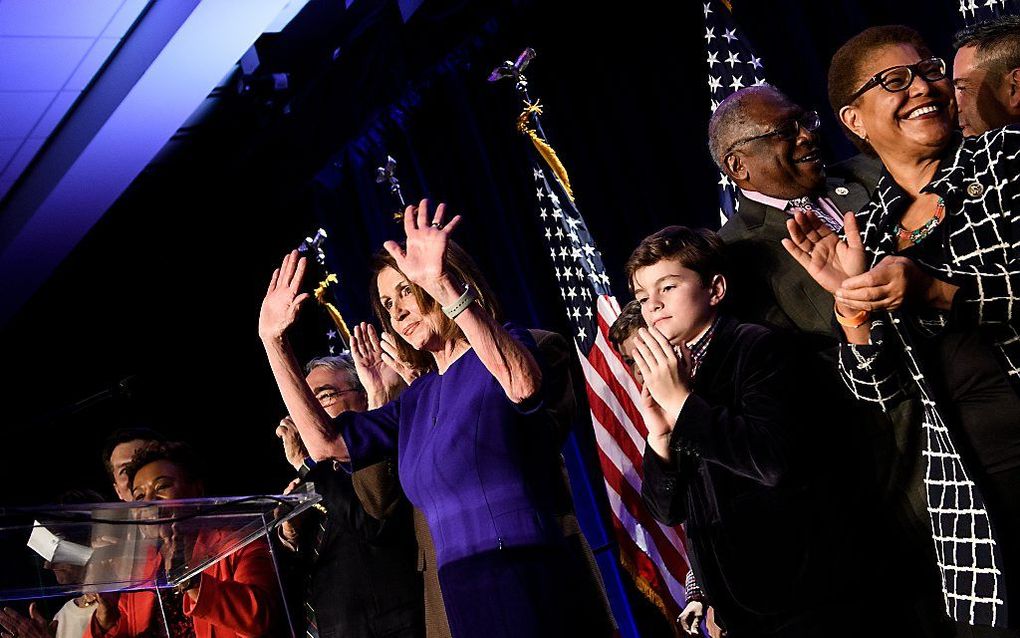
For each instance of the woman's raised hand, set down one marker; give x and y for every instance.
(828, 259)
(379, 379)
(283, 300)
(391, 357)
(423, 261)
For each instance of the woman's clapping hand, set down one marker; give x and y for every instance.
(827, 258)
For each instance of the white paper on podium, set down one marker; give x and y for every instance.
(57, 550)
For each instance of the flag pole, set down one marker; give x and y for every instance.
(605, 545)
(387, 174)
(314, 247)
(529, 122)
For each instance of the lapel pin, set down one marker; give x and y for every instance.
(974, 189)
(842, 191)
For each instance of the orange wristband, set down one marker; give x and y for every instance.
(854, 321)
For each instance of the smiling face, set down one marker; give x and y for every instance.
(163, 480)
(916, 122)
(778, 166)
(674, 299)
(422, 331)
(981, 95)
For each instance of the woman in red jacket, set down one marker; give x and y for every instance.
(234, 598)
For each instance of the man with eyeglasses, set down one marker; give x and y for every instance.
(986, 74)
(768, 147)
(355, 560)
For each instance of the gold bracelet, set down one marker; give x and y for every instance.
(855, 321)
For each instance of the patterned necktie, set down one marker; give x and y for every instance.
(807, 205)
(312, 626)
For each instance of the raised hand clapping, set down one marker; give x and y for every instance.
(381, 372)
(667, 382)
(391, 356)
(828, 259)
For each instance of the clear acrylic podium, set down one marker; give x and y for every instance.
(62, 551)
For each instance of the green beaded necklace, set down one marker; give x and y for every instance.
(914, 237)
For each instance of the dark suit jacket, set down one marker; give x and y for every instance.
(862, 168)
(747, 476)
(767, 285)
(363, 581)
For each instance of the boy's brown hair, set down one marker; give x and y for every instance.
(698, 249)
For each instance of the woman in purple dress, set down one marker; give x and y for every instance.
(474, 450)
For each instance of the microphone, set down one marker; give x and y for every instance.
(126, 387)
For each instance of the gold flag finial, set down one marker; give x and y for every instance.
(547, 152)
(334, 314)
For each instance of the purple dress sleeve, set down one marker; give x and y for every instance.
(370, 436)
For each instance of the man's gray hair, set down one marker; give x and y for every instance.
(730, 123)
(339, 363)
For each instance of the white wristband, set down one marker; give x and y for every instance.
(453, 310)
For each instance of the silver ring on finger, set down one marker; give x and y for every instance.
(436, 225)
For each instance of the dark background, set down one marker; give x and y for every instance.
(165, 290)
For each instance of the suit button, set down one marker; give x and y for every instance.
(975, 189)
(842, 191)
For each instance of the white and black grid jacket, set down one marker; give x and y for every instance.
(979, 181)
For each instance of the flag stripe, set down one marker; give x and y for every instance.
(608, 410)
(631, 499)
(637, 533)
(609, 421)
(611, 453)
(656, 552)
(612, 370)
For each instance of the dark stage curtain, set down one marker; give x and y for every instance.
(167, 285)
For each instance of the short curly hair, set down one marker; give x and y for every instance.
(180, 454)
(847, 69)
(626, 324)
(730, 121)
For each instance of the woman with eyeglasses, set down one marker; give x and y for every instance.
(927, 290)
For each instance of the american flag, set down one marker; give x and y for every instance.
(654, 554)
(732, 65)
(975, 11)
